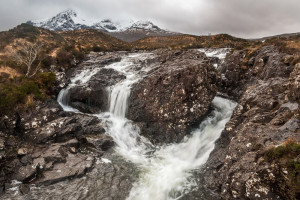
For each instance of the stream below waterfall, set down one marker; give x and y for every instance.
(161, 172)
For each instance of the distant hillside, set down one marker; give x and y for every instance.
(28, 32)
(89, 39)
(191, 41)
(286, 35)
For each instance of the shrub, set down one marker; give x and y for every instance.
(96, 48)
(289, 149)
(13, 95)
(47, 62)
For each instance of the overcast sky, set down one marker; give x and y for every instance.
(243, 18)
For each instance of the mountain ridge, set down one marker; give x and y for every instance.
(129, 31)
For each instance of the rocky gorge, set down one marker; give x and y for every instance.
(73, 149)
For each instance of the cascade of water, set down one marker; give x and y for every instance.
(119, 99)
(63, 100)
(129, 142)
(166, 172)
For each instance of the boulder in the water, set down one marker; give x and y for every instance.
(174, 97)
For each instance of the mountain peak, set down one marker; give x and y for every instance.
(70, 20)
(68, 12)
(144, 25)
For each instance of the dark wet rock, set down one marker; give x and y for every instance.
(234, 77)
(268, 64)
(88, 100)
(99, 142)
(106, 77)
(174, 96)
(82, 107)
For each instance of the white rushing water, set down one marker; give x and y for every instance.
(165, 170)
(167, 173)
(130, 144)
(219, 53)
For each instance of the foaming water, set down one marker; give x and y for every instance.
(167, 173)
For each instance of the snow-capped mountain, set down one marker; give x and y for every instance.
(70, 20)
(144, 25)
(64, 21)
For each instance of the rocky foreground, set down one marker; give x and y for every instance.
(48, 146)
(243, 164)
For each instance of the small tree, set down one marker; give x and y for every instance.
(29, 54)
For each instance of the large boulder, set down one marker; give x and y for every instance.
(174, 96)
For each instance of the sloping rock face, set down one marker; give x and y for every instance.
(175, 95)
(50, 147)
(267, 116)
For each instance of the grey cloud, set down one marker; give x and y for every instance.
(243, 18)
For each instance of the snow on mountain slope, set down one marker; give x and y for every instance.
(70, 20)
(144, 25)
(64, 21)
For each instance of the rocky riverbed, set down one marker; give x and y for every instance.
(68, 150)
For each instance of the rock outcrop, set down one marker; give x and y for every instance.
(51, 147)
(174, 96)
(267, 116)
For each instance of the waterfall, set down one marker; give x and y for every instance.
(130, 144)
(119, 96)
(165, 170)
(63, 99)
